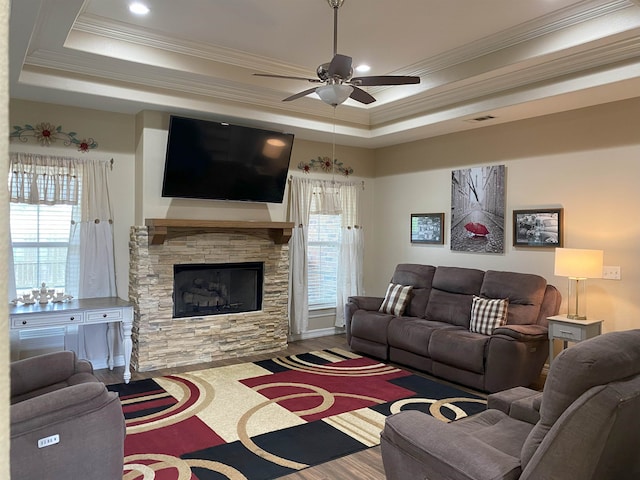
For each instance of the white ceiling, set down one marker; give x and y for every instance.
(511, 59)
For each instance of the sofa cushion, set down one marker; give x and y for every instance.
(370, 326)
(524, 291)
(452, 293)
(459, 348)
(413, 334)
(487, 314)
(396, 299)
(420, 278)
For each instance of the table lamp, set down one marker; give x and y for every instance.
(578, 264)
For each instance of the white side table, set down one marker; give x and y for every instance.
(571, 330)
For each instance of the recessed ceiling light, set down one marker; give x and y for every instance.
(138, 8)
(363, 68)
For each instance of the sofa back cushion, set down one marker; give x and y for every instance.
(452, 292)
(596, 362)
(524, 291)
(420, 278)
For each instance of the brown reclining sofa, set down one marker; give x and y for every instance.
(433, 334)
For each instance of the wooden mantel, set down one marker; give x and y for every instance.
(279, 232)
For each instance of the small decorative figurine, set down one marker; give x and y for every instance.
(42, 296)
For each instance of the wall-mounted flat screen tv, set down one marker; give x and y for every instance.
(219, 161)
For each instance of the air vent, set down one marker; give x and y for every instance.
(484, 118)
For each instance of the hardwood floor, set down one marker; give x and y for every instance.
(364, 465)
(303, 346)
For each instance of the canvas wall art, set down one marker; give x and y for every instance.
(477, 209)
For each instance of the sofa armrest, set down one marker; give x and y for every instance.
(443, 451)
(523, 333)
(503, 400)
(366, 303)
(59, 405)
(40, 371)
(527, 409)
(359, 303)
(520, 403)
(89, 426)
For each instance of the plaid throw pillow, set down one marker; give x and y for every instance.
(487, 314)
(396, 299)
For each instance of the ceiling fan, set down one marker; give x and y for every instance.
(337, 79)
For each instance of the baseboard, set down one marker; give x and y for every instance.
(320, 332)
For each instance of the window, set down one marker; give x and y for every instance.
(40, 241)
(323, 251)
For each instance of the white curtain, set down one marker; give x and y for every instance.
(351, 249)
(331, 198)
(299, 210)
(90, 262)
(83, 183)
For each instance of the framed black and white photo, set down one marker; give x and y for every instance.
(538, 228)
(427, 228)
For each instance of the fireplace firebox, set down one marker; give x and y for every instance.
(214, 289)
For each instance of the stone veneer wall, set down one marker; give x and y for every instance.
(161, 341)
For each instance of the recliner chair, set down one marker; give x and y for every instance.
(585, 425)
(64, 423)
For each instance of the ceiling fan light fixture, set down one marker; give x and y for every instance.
(334, 94)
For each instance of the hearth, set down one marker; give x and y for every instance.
(213, 289)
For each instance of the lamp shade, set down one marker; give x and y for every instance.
(334, 94)
(578, 263)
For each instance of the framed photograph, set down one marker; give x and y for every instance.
(538, 228)
(427, 228)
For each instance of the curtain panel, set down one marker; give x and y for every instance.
(328, 197)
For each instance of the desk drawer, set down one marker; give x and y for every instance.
(102, 316)
(24, 321)
(567, 331)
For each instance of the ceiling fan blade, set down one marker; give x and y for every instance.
(314, 80)
(340, 66)
(384, 80)
(361, 96)
(300, 94)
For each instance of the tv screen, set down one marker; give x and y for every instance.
(220, 161)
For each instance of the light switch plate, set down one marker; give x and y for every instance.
(611, 273)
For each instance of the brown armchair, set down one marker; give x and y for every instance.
(64, 422)
(584, 425)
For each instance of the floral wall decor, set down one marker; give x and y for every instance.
(323, 164)
(47, 134)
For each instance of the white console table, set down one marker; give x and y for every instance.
(86, 311)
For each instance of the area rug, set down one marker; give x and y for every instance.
(264, 420)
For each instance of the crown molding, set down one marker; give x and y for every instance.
(85, 66)
(450, 94)
(112, 30)
(525, 32)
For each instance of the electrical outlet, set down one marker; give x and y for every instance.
(48, 441)
(611, 273)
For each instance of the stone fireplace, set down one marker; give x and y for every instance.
(163, 340)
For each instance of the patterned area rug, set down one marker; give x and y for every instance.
(264, 420)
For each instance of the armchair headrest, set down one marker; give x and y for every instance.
(597, 361)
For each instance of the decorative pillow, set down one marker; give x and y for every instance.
(488, 314)
(396, 299)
